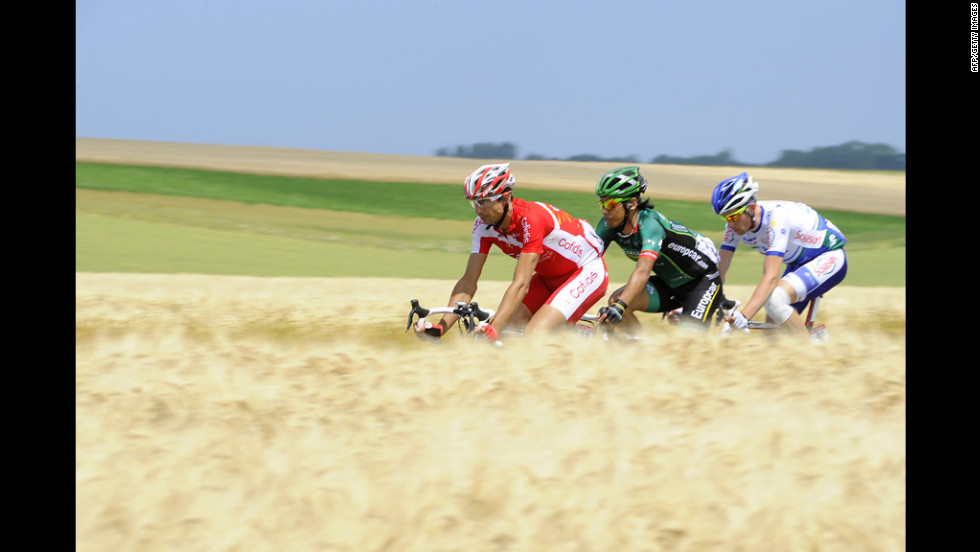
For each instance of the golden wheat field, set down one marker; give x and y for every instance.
(271, 414)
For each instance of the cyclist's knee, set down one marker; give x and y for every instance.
(547, 318)
(779, 306)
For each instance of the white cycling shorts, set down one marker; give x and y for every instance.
(817, 276)
(574, 295)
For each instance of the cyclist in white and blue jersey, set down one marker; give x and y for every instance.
(786, 232)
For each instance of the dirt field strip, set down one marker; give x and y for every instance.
(872, 193)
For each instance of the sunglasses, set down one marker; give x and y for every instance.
(608, 204)
(484, 201)
(733, 216)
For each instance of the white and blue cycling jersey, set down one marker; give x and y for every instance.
(791, 230)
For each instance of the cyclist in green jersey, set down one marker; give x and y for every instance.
(683, 263)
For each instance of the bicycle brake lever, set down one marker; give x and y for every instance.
(416, 309)
(481, 314)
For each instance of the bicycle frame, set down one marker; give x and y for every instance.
(817, 332)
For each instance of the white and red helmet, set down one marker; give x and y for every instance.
(488, 180)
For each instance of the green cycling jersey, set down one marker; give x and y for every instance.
(680, 254)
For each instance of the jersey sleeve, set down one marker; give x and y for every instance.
(482, 241)
(604, 233)
(652, 236)
(729, 239)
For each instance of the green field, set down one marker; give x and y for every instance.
(166, 220)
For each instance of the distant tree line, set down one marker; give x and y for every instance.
(849, 155)
(483, 150)
(723, 157)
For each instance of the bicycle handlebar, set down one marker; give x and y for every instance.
(729, 306)
(470, 315)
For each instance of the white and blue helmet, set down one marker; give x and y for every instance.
(734, 193)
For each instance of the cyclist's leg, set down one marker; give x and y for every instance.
(630, 323)
(818, 276)
(656, 297)
(802, 283)
(701, 299)
(520, 318)
(537, 294)
(572, 297)
(780, 310)
(547, 318)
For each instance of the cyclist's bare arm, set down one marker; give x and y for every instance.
(517, 289)
(638, 279)
(464, 290)
(725, 262)
(770, 277)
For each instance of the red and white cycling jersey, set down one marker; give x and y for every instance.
(564, 242)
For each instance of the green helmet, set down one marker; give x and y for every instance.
(621, 182)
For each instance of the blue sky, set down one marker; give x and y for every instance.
(554, 77)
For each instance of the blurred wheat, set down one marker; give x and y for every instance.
(269, 414)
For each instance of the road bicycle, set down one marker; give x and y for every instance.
(472, 317)
(818, 333)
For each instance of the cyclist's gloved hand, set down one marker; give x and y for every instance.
(428, 331)
(674, 317)
(739, 321)
(614, 312)
(487, 331)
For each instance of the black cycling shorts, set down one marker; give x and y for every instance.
(700, 298)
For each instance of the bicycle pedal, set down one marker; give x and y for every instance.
(818, 334)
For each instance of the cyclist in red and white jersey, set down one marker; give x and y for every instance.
(560, 271)
(786, 232)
